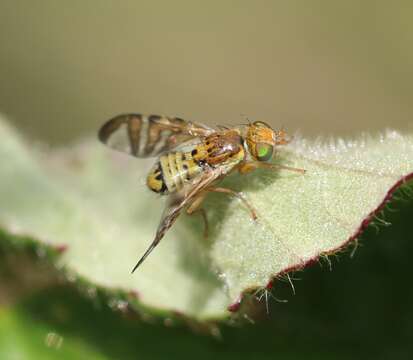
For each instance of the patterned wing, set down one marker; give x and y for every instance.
(176, 203)
(147, 136)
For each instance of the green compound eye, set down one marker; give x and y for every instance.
(264, 151)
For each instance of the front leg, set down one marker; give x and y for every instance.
(252, 165)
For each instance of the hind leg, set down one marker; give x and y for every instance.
(195, 208)
(237, 195)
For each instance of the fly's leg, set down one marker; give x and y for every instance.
(247, 167)
(280, 167)
(251, 166)
(202, 212)
(195, 208)
(237, 195)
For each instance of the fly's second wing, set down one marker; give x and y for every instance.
(148, 136)
(175, 205)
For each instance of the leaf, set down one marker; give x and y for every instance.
(93, 202)
(373, 286)
(303, 217)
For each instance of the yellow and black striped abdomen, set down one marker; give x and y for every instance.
(172, 172)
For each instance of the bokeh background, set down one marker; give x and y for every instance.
(322, 67)
(319, 67)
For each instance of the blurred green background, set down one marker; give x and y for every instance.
(323, 67)
(320, 67)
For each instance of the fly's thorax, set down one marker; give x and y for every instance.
(219, 149)
(172, 171)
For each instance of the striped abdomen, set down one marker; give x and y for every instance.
(172, 171)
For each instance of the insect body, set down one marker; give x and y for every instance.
(175, 169)
(192, 158)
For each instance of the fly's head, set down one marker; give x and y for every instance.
(262, 140)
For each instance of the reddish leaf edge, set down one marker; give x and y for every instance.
(236, 305)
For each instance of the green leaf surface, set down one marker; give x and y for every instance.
(94, 203)
(361, 310)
